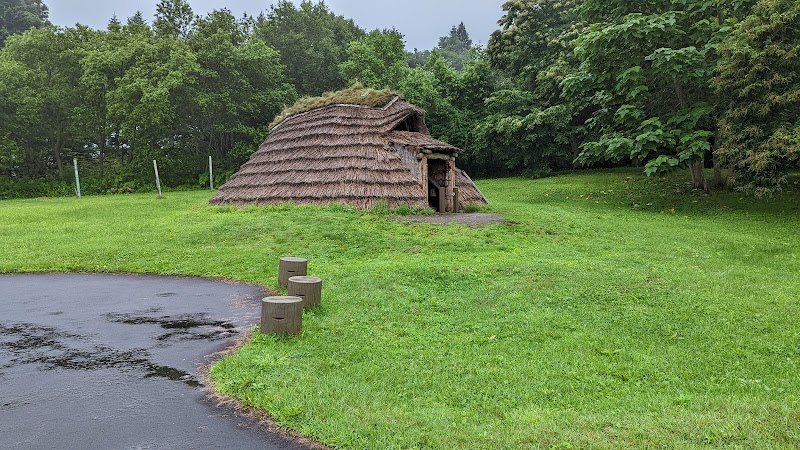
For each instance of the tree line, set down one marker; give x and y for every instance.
(670, 84)
(666, 84)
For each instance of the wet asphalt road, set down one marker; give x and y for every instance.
(111, 362)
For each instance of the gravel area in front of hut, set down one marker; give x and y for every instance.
(471, 219)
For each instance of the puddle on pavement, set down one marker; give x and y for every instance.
(196, 326)
(49, 349)
(173, 374)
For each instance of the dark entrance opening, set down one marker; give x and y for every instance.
(433, 195)
(411, 123)
(437, 179)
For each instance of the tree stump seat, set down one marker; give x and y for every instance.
(282, 315)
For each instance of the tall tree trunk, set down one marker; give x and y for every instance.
(697, 170)
(57, 155)
(35, 160)
(718, 181)
(680, 94)
(102, 155)
(576, 151)
(132, 145)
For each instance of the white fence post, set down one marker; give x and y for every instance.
(77, 179)
(210, 173)
(158, 181)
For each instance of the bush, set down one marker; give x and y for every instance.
(30, 188)
(12, 187)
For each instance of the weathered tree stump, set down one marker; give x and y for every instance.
(307, 288)
(291, 267)
(282, 315)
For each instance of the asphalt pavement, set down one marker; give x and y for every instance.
(112, 362)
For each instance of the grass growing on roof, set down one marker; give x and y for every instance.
(610, 311)
(356, 94)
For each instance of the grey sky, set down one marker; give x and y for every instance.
(420, 21)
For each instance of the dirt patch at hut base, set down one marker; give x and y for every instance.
(471, 219)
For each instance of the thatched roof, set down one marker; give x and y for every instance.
(470, 194)
(339, 153)
(354, 95)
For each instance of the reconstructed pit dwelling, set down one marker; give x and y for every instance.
(355, 155)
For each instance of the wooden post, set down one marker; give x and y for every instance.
(291, 267)
(451, 183)
(307, 288)
(210, 173)
(158, 180)
(77, 178)
(282, 315)
(423, 168)
(456, 200)
(442, 199)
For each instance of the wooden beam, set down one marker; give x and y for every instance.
(423, 170)
(439, 156)
(451, 184)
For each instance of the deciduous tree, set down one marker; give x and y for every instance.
(17, 16)
(173, 18)
(49, 60)
(240, 87)
(648, 72)
(536, 129)
(377, 60)
(312, 41)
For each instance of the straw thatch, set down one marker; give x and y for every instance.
(341, 153)
(354, 95)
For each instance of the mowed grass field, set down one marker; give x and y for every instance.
(610, 310)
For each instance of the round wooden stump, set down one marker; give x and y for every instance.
(291, 267)
(282, 315)
(307, 288)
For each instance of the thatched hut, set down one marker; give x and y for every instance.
(356, 155)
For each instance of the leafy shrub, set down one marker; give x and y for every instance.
(31, 188)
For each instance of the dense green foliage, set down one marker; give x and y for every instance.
(312, 42)
(649, 71)
(644, 83)
(530, 127)
(610, 310)
(535, 43)
(455, 47)
(665, 84)
(173, 18)
(17, 16)
(192, 87)
(759, 81)
(377, 60)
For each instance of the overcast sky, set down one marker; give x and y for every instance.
(420, 21)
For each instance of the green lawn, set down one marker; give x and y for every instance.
(610, 311)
